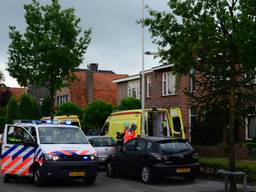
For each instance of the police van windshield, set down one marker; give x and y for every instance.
(61, 135)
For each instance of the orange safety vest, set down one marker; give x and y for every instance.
(128, 135)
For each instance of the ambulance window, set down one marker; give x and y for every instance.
(105, 128)
(15, 135)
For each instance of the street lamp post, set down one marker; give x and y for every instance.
(142, 75)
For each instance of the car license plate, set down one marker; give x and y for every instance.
(77, 174)
(183, 170)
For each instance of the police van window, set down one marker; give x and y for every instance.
(15, 135)
(32, 131)
(61, 135)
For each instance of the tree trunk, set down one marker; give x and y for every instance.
(52, 98)
(231, 140)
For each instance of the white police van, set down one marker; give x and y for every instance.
(45, 151)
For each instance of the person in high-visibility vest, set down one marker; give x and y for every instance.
(130, 132)
(16, 137)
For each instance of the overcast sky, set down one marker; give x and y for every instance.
(116, 38)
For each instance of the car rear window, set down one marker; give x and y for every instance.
(102, 142)
(168, 146)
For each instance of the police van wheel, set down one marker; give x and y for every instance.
(38, 180)
(110, 170)
(6, 178)
(90, 180)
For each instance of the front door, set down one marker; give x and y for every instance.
(18, 153)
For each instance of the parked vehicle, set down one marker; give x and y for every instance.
(104, 147)
(47, 151)
(64, 119)
(1, 143)
(93, 132)
(158, 122)
(154, 157)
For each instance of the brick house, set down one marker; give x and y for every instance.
(91, 84)
(162, 90)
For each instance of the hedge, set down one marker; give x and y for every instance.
(209, 167)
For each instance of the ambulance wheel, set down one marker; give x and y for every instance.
(38, 180)
(7, 178)
(110, 170)
(90, 180)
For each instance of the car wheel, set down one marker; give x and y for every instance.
(146, 175)
(189, 177)
(110, 170)
(90, 180)
(37, 177)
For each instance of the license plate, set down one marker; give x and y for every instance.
(77, 174)
(183, 170)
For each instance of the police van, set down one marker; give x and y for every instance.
(45, 151)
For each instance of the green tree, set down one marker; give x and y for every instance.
(129, 103)
(46, 107)
(69, 108)
(50, 49)
(26, 109)
(96, 114)
(12, 110)
(217, 40)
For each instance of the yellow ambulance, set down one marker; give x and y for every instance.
(64, 119)
(158, 122)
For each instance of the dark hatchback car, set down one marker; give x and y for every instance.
(151, 158)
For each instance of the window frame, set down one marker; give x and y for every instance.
(148, 86)
(166, 84)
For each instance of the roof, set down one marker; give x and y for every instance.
(130, 78)
(99, 71)
(157, 139)
(137, 76)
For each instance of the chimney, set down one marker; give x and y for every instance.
(93, 67)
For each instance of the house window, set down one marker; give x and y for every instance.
(192, 81)
(134, 89)
(62, 99)
(148, 81)
(251, 123)
(168, 83)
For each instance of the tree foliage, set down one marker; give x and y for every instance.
(216, 39)
(12, 110)
(96, 114)
(50, 49)
(129, 103)
(27, 108)
(69, 108)
(5, 96)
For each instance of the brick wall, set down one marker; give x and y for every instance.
(104, 88)
(78, 89)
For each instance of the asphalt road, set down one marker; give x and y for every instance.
(123, 184)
